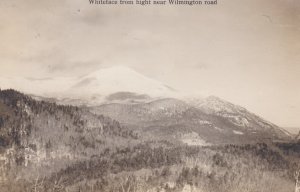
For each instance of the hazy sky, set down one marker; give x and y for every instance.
(247, 52)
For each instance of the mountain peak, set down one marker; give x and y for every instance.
(115, 79)
(91, 88)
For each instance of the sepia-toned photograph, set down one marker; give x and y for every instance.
(149, 96)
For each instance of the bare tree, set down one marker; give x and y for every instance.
(38, 184)
(129, 184)
(58, 185)
(297, 183)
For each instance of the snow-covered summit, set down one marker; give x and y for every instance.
(119, 79)
(90, 88)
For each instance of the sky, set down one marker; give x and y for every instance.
(246, 52)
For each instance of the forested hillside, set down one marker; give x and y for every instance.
(49, 147)
(40, 136)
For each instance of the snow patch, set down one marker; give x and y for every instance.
(203, 122)
(238, 132)
(219, 129)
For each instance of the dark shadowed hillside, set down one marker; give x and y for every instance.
(37, 135)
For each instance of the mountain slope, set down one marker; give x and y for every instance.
(237, 115)
(35, 135)
(217, 122)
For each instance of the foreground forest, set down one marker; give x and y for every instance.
(48, 147)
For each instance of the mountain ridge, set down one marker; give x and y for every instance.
(169, 113)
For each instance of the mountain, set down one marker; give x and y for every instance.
(93, 88)
(207, 121)
(148, 105)
(37, 134)
(119, 79)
